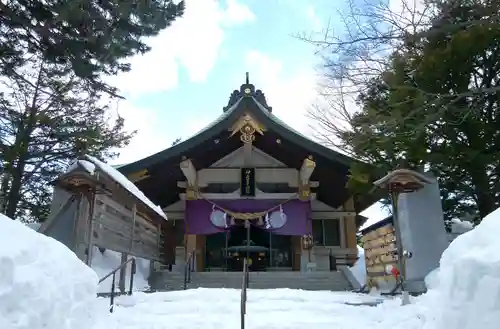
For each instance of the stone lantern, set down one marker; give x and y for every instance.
(398, 182)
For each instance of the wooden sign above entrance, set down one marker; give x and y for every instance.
(247, 182)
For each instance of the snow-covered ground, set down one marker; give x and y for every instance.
(464, 293)
(44, 285)
(266, 309)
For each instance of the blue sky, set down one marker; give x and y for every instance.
(183, 83)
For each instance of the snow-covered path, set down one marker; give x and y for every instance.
(267, 309)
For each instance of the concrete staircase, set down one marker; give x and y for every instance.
(334, 281)
(166, 281)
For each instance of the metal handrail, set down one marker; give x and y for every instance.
(244, 286)
(188, 268)
(113, 273)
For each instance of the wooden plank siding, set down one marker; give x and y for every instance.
(114, 228)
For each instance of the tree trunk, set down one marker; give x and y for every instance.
(484, 196)
(20, 153)
(485, 202)
(14, 195)
(4, 190)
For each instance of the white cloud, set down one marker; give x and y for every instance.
(192, 41)
(146, 141)
(315, 21)
(237, 13)
(290, 94)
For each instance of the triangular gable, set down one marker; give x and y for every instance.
(259, 160)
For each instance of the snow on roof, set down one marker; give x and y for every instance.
(92, 162)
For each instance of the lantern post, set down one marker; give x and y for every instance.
(398, 182)
(308, 244)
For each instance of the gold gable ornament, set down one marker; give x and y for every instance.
(247, 126)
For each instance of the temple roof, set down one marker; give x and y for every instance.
(249, 100)
(216, 141)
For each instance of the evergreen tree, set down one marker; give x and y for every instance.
(54, 103)
(435, 105)
(47, 116)
(90, 37)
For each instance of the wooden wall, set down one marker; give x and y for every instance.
(118, 228)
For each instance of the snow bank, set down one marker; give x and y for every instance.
(34, 226)
(42, 283)
(466, 288)
(104, 263)
(458, 226)
(359, 268)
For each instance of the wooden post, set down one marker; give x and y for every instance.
(132, 233)
(90, 226)
(76, 223)
(123, 273)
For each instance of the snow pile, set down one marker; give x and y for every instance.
(34, 226)
(466, 288)
(458, 226)
(104, 263)
(359, 268)
(42, 283)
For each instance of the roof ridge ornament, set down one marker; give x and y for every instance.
(247, 90)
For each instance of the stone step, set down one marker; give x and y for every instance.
(334, 281)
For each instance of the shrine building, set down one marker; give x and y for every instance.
(249, 186)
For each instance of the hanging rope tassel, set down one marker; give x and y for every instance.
(268, 222)
(282, 214)
(260, 221)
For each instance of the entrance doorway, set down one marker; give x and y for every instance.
(225, 251)
(250, 243)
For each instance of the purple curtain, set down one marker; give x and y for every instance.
(197, 214)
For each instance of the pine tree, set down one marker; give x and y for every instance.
(47, 113)
(435, 105)
(89, 37)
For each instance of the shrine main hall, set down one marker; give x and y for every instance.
(249, 186)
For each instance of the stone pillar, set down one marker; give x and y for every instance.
(420, 218)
